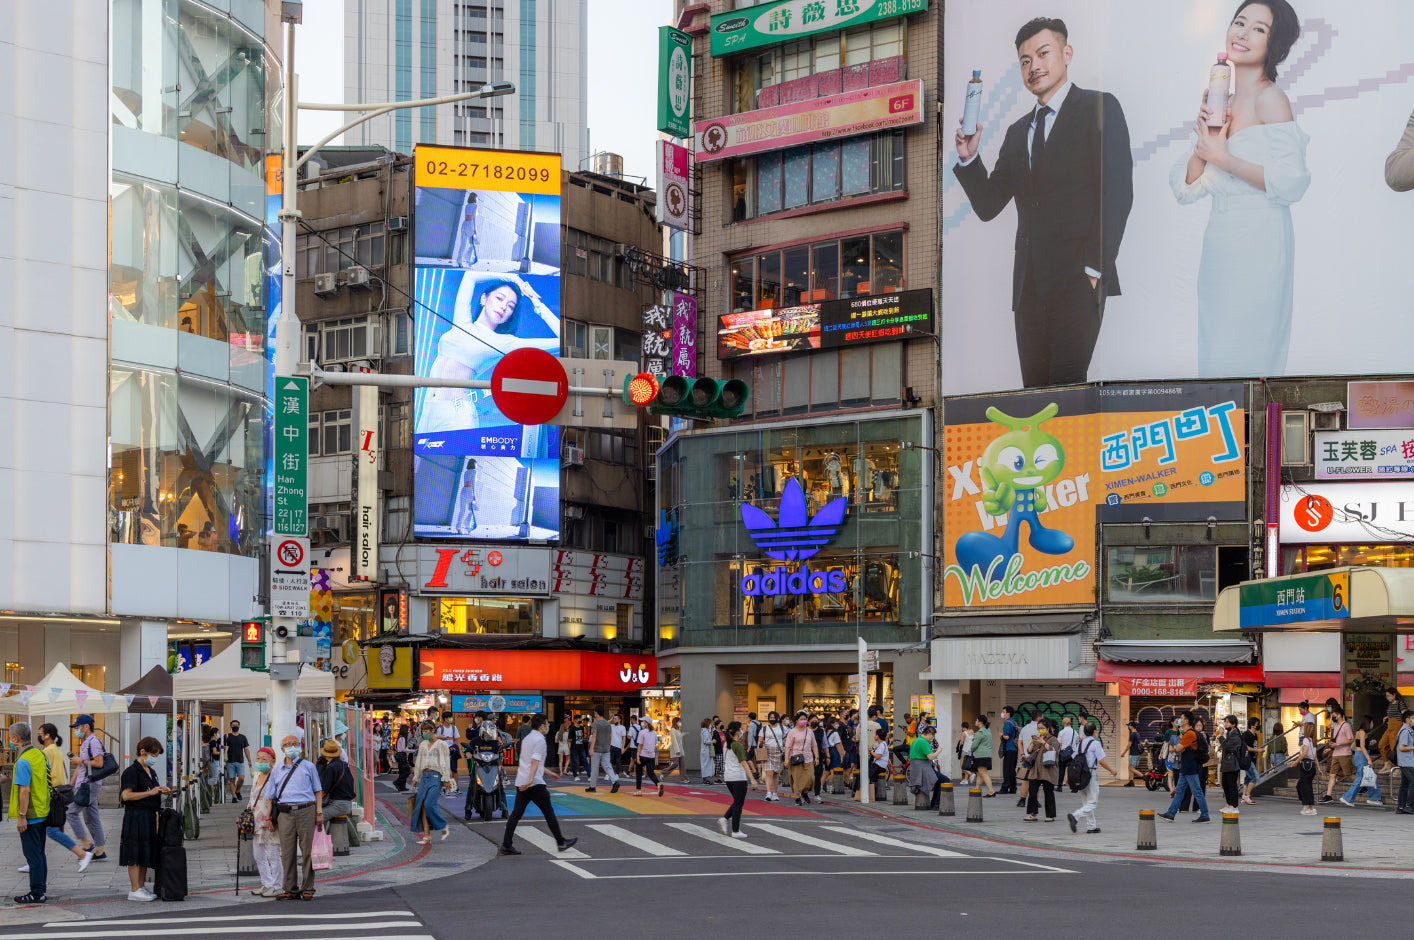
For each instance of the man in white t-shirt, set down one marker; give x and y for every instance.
(1093, 754)
(530, 787)
(1023, 741)
(617, 733)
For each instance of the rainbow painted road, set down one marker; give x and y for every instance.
(571, 800)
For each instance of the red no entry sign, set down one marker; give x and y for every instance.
(529, 386)
(290, 553)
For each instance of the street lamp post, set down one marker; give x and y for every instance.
(287, 328)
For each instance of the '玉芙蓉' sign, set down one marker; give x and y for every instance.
(1295, 600)
(794, 535)
(788, 20)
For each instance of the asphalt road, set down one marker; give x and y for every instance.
(645, 868)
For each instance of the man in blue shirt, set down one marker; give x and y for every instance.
(299, 799)
(1010, 731)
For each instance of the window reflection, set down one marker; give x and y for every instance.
(221, 283)
(221, 75)
(485, 615)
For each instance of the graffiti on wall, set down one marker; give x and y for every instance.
(1092, 709)
(1152, 717)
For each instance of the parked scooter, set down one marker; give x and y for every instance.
(487, 791)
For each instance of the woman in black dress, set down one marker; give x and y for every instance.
(142, 797)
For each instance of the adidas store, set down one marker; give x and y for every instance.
(779, 546)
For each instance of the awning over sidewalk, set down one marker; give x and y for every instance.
(1106, 671)
(1178, 651)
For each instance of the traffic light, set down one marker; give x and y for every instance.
(682, 397)
(253, 644)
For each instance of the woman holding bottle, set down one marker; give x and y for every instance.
(1252, 161)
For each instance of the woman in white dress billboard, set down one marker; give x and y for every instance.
(1254, 168)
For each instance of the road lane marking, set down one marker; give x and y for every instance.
(129, 921)
(546, 843)
(811, 840)
(716, 838)
(758, 874)
(896, 843)
(637, 841)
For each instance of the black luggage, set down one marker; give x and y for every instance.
(169, 827)
(169, 879)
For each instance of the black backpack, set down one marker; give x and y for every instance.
(1202, 749)
(1077, 772)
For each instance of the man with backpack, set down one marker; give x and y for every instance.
(1193, 759)
(1081, 776)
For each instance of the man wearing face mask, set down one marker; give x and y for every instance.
(237, 757)
(76, 817)
(298, 799)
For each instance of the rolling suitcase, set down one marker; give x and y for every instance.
(169, 879)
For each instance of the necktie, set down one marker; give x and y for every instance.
(1038, 139)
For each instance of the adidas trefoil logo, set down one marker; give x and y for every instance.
(798, 535)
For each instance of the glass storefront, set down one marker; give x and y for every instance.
(486, 615)
(1296, 559)
(727, 590)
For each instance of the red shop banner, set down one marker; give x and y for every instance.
(1158, 685)
(556, 670)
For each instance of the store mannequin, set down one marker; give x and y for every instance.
(835, 475)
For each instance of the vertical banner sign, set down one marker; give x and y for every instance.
(684, 335)
(674, 81)
(291, 455)
(364, 556)
(674, 193)
(658, 340)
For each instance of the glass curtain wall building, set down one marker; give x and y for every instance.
(133, 476)
(400, 50)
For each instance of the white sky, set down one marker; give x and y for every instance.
(623, 71)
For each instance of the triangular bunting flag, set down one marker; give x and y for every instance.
(129, 699)
(55, 691)
(5, 688)
(153, 700)
(26, 695)
(79, 695)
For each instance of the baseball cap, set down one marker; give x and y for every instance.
(83, 720)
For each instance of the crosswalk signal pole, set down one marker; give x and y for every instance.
(865, 787)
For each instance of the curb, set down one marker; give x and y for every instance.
(1012, 842)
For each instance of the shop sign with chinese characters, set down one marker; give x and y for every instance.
(1369, 455)
(563, 670)
(291, 456)
(1158, 685)
(767, 24)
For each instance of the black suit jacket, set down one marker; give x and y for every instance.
(1073, 216)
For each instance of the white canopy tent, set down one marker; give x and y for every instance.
(62, 693)
(221, 679)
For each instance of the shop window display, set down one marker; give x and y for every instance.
(871, 591)
(486, 615)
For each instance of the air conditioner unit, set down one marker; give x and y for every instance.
(1325, 420)
(574, 512)
(398, 223)
(324, 522)
(359, 365)
(357, 276)
(333, 367)
(324, 284)
(574, 457)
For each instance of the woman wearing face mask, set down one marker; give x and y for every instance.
(705, 736)
(142, 797)
(266, 841)
(801, 756)
(774, 738)
(52, 743)
(430, 771)
(675, 751)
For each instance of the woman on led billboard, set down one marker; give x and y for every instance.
(492, 315)
(1254, 167)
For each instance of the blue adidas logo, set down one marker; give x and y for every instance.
(794, 535)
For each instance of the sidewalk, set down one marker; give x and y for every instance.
(211, 867)
(1272, 832)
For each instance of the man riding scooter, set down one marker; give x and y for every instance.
(487, 791)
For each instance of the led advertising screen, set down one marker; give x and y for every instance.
(486, 246)
(827, 324)
(1131, 247)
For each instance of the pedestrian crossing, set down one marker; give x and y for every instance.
(333, 925)
(669, 839)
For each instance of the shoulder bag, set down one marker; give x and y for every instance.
(275, 803)
(245, 826)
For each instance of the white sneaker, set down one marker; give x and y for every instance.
(23, 868)
(1374, 802)
(141, 894)
(738, 835)
(1345, 802)
(83, 862)
(722, 825)
(1234, 810)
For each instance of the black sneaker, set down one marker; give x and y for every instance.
(567, 844)
(31, 898)
(1202, 819)
(509, 850)
(1326, 799)
(1091, 832)
(1021, 802)
(1165, 816)
(1070, 818)
(615, 787)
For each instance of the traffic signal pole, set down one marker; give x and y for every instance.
(284, 673)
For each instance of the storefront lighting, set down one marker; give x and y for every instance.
(32, 618)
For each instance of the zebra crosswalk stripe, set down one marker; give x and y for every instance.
(810, 840)
(546, 843)
(635, 840)
(896, 843)
(716, 838)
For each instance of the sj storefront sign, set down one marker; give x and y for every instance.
(1029, 475)
(561, 670)
(1341, 513)
(802, 122)
(787, 20)
(476, 569)
(1283, 601)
